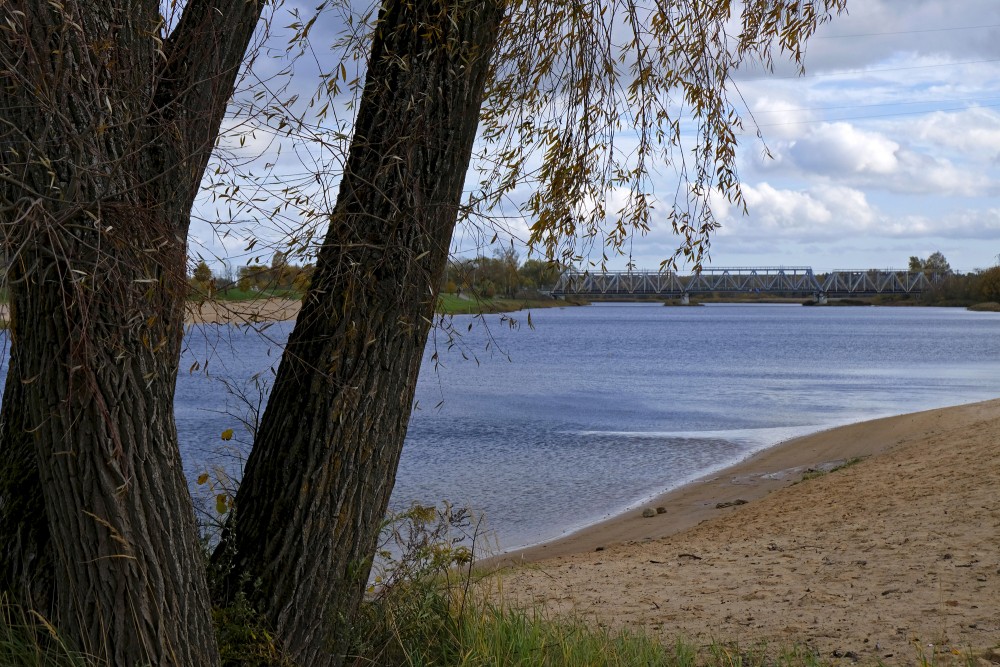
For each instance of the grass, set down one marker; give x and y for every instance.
(476, 634)
(448, 304)
(236, 294)
(431, 610)
(452, 304)
(987, 307)
(430, 622)
(27, 640)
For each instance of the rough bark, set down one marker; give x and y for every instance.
(317, 483)
(106, 133)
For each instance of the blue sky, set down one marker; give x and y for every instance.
(888, 147)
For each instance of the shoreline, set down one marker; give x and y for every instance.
(890, 559)
(274, 309)
(693, 502)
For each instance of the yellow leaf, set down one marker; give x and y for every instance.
(202, 478)
(227, 434)
(221, 506)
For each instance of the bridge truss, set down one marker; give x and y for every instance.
(786, 281)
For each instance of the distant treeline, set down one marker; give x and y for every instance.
(500, 276)
(281, 278)
(504, 276)
(956, 289)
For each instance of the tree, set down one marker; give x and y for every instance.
(936, 264)
(540, 274)
(108, 123)
(317, 481)
(989, 284)
(338, 411)
(202, 273)
(107, 130)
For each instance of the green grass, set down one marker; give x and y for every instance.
(452, 304)
(236, 294)
(478, 634)
(429, 623)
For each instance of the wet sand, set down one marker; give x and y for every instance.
(888, 558)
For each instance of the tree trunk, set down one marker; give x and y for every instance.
(106, 134)
(24, 529)
(317, 483)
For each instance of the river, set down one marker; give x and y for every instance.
(594, 409)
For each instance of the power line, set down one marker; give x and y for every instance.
(979, 100)
(907, 32)
(885, 115)
(868, 71)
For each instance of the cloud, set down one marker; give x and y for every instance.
(844, 149)
(830, 212)
(845, 154)
(974, 132)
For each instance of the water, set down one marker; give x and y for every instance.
(601, 407)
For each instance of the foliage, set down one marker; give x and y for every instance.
(452, 304)
(583, 115)
(500, 275)
(936, 264)
(989, 284)
(244, 639)
(415, 586)
(202, 272)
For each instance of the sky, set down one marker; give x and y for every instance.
(887, 147)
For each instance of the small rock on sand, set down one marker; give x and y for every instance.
(648, 512)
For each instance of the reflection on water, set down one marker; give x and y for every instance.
(600, 407)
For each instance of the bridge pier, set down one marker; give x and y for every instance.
(820, 298)
(685, 299)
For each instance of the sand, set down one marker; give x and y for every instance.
(235, 312)
(890, 558)
(243, 312)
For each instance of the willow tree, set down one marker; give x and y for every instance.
(581, 100)
(108, 116)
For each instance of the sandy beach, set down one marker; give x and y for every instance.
(243, 312)
(234, 312)
(893, 557)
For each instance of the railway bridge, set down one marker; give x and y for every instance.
(787, 281)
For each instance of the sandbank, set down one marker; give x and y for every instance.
(890, 558)
(243, 312)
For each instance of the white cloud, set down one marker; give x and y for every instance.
(821, 211)
(845, 154)
(974, 132)
(844, 149)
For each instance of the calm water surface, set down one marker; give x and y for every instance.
(598, 408)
